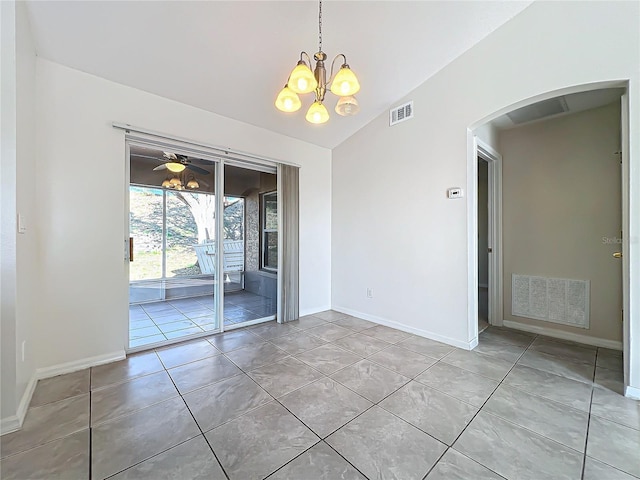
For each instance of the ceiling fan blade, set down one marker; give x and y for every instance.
(160, 167)
(199, 170)
(147, 156)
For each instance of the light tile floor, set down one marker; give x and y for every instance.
(331, 396)
(159, 321)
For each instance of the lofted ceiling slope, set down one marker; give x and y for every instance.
(232, 57)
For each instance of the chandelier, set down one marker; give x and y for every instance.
(302, 80)
(180, 182)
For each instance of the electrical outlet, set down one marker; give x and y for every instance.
(455, 192)
(369, 292)
(24, 347)
(22, 223)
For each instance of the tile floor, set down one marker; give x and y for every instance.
(159, 321)
(332, 396)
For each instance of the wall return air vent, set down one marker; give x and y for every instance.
(401, 113)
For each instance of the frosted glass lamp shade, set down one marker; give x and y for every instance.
(175, 167)
(288, 100)
(347, 106)
(302, 79)
(317, 113)
(345, 83)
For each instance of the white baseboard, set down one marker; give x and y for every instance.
(632, 392)
(69, 367)
(14, 422)
(405, 328)
(9, 424)
(561, 334)
(311, 311)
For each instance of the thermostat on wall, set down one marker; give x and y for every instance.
(455, 192)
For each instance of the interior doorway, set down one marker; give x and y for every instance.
(483, 244)
(595, 319)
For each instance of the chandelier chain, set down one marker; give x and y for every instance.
(320, 27)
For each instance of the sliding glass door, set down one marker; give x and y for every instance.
(182, 281)
(172, 225)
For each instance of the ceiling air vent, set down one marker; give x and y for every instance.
(401, 113)
(539, 110)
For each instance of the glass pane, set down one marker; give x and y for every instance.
(145, 220)
(233, 218)
(184, 231)
(173, 271)
(271, 250)
(271, 211)
(234, 259)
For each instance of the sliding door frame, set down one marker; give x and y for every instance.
(219, 157)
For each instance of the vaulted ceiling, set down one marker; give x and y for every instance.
(232, 57)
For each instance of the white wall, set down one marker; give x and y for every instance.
(19, 261)
(84, 289)
(488, 133)
(394, 229)
(8, 403)
(27, 254)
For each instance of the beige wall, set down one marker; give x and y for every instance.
(483, 222)
(561, 197)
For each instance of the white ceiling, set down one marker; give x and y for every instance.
(232, 57)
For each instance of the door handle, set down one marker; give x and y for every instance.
(617, 254)
(131, 249)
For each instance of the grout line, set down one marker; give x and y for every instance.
(479, 410)
(322, 439)
(196, 422)
(586, 437)
(438, 461)
(294, 458)
(149, 458)
(373, 404)
(489, 397)
(90, 429)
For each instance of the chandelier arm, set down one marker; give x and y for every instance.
(333, 64)
(306, 55)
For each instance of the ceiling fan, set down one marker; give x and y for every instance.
(177, 163)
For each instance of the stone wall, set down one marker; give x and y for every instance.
(252, 232)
